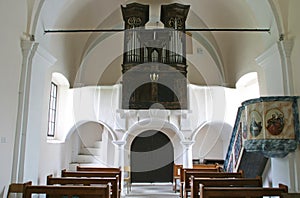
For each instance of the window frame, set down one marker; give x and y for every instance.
(52, 110)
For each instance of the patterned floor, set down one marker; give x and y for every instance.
(152, 190)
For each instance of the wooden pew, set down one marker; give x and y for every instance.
(185, 174)
(90, 174)
(206, 166)
(68, 191)
(222, 182)
(105, 169)
(114, 181)
(242, 192)
(185, 187)
(101, 169)
(17, 188)
(178, 170)
(291, 195)
(65, 173)
(176, 175)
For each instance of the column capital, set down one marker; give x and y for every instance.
(187, 143)
(286, 47)
(119, 142)
(26, 46)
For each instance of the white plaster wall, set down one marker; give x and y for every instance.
(293, 33)
(208, 144)
(89, 133)
(108, 104)
(12, 26)
(37, 115)
(213, 103)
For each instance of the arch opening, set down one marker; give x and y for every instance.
(152, 158)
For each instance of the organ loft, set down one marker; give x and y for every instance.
(154, 60)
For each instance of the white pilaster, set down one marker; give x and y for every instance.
(277, 68)
(35, 63)
(28, 50)
(276, 65)
(284, 171)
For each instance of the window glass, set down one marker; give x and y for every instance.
(52, 110)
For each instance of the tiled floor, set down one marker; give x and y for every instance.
(152, 190)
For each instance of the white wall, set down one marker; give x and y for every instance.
(12, 20)
(293, 33)
(217, 105)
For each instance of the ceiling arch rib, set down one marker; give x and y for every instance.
(205, 39)
(86, 14)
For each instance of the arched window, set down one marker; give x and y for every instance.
(52, 110)
(248, 86)
(59, 85)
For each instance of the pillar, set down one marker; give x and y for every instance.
(28, 50)
(121, 153)
(187, 154)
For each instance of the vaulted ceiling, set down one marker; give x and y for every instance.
(214, 58)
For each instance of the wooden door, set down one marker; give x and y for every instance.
(152, 157)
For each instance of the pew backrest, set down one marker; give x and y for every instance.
(65, 173)
(206, 166)
(207, 174)
(17, 188)
(222, 182)
(184, 171)
(176, 170)
(114, 181)
(241, 192)
(187, 173)
(91, 174)
(68, 191)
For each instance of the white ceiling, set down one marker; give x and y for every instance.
(218, 58)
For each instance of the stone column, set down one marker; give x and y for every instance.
(187, 153)
(121, 153)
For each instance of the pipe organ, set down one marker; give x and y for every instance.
(154, 60)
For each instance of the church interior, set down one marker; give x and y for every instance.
(145, 85)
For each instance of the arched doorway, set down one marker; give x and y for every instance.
(152, 157)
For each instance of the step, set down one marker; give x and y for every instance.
(72, 166)
(87, 159)
(91, 159)
(90, 151)
(157, 190)
(97, 144)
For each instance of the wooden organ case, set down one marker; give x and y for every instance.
(154, 65)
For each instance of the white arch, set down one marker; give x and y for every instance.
(82, 122)
(152, 124)
(224, 134)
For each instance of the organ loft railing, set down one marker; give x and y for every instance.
(159, 53)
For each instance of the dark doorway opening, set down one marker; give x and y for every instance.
(152, 158)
